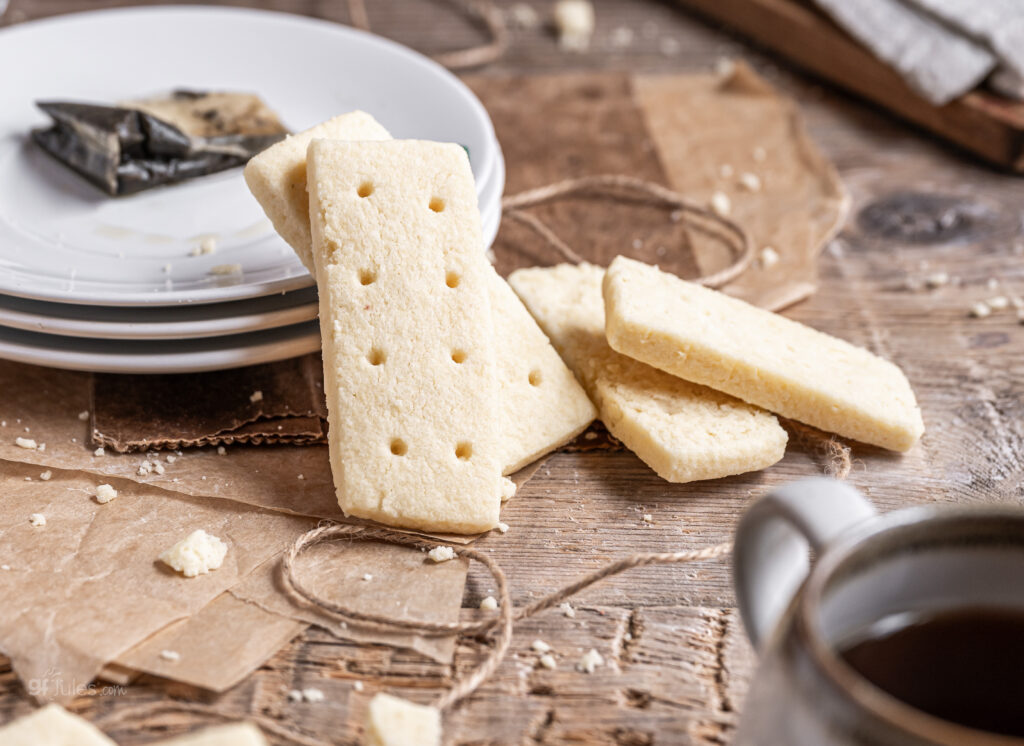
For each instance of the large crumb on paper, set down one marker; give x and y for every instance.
(403, 586)
(91, 588)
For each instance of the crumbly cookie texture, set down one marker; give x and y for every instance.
(277, 176)
(708, 337)
(685, 432)
(408, 341)
(196, 554)
(393, 721)
(542, 404)
(52, 725)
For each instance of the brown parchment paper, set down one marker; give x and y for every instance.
(370, 577)
(702, 123)
(87, 586)
(218, 646)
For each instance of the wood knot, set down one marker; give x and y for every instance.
(924, 218)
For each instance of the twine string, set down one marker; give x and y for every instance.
(482, 12)
(628, 188)
(507, 615)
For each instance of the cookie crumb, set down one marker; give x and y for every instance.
(441, 554)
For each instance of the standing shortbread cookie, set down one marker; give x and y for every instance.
(708, 337)
(405, 317)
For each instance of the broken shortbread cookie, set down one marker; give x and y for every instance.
(408, 341)
(392, 721)
(196, 554)
(52, 725)
(683, 431)
(710, 338)
(233, 734)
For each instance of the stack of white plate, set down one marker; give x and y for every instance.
(122, 284)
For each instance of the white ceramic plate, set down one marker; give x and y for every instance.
(155, 323)
(63, 240)
(171, 356)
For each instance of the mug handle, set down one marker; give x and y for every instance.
(774, 539)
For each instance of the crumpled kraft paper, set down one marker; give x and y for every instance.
(373, 578)
(218, 646)
(710, 130)
(86, 586)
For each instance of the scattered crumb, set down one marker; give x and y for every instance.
(621, 37)
(539, 646)
(768, 257)
(294, 696)
(105, 493)
(992, 284)
(724, 66)
(589, 661)
(313, 695)
(675, 216)
(721, 205)
(26, 443)
(725, 171)
(226, 269)
(548, 661)
(638, 243)
(441, 554)
(170, 655)
(567, 609)
(207, 245)
(358, 686)
(99, 451)
(648, 518)
(196, 554)
(508, 489)
(46, 475)
(750, 182)
(367, 577)
(1017, 302)
(760, 154)
(523, 16)
(502, 527)
(669, 46)
(255, 397)
(980, 310)
(489, 604)
(37, 519)
(83, 415)
(574, 21)
(998, 303)
(145, 468)
(222, 451)
(936, 280)
(158, 467)
(5, 567)
(589, 435)
(171, 458)
(41, 447)
(301, 476)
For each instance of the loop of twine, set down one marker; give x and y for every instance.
(506, 616)
(619, 187)
(483, 12)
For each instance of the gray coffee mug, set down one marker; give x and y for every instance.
(920, 560)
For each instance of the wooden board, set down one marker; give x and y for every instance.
(681, 677)
(985, 124)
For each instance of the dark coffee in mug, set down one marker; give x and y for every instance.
(964, 665)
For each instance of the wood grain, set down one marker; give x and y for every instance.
(681, 678)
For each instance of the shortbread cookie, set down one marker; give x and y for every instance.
(763, 358)
(393, 721)
(543, 405)
(405, 316)
(52, 725)
(277, 176)
(683, 431)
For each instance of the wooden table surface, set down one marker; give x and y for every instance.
(677, 661)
